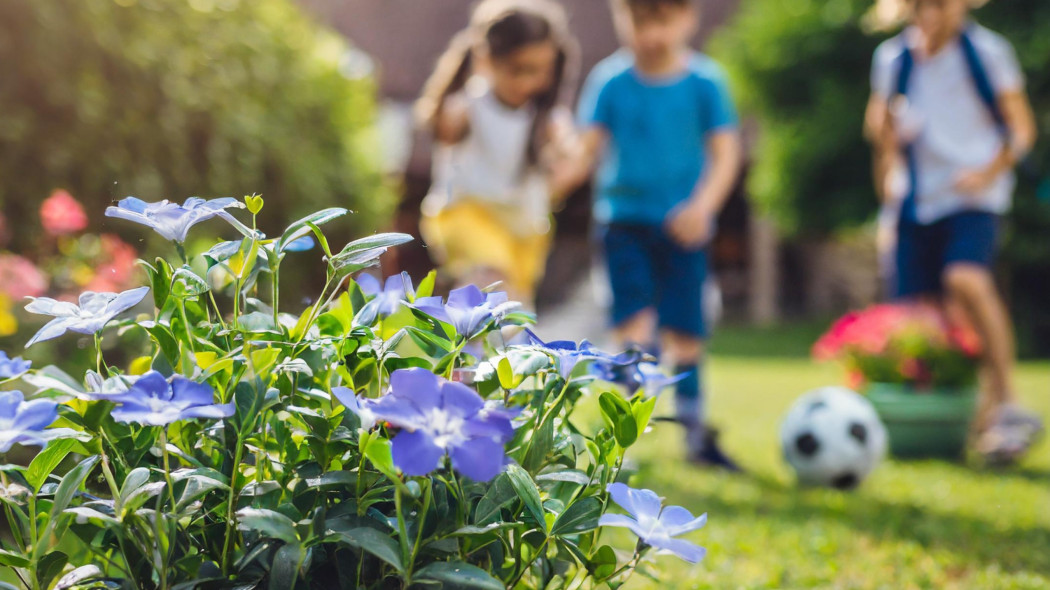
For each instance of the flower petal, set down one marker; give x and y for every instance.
(688, 551)
(418, 385)
(369, 285)
(52, 329)
(639, 503)
(415, 453)
(480, 459)
(185, 391)
(466, 297)
(621, 520)
(214, 411)
(36, 415)
(9, 402)
(676, 520)
(460, 400)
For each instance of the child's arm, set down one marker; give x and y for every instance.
(452, 121)
(691, 224)
(571, 171)
(1020, 121)
(878, 129)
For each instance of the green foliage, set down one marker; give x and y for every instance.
(295, 479)
(800, 67)
(164, 98)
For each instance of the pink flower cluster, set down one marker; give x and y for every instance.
(873, 331)
(910, 343)
(61, 214)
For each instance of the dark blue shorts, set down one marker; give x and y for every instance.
(925, 251)
(648, 269)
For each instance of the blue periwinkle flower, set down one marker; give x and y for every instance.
(438, 418)
(567, 354)
(655, 525)
(171, 220)
(23, 422)
(468, 309)
(12, 367)
(360, 406)
(154, 401)
(386, 299)
(94, 311)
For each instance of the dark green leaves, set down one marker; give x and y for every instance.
(455, 574)
(618, 415)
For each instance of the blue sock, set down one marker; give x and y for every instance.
(689, 404)
(689, 392)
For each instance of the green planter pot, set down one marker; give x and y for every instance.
(927, 423)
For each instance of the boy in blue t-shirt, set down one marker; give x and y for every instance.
(664, 119)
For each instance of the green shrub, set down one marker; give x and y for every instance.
(155, 98)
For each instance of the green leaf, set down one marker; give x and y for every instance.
(284, 571)
(254, 203)
(135, 479)
(46, 462)
(566, 476)
(505, 373)
(300, 228)
(78, 576)
(432, 345)
(603, 563)
(379, 454)
(425, 288)
(83, 514)
(269, 523)
(160, 281)
(643, 411)
(374, 542)
(50, 566)
(11, 559)
(64, 495)
(617, 413)
(456, 574)
(363, 253)
(580, 517)
(527, 491)
(185, 284)
(499, 495)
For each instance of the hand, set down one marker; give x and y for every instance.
(973, 182)
(690, 225)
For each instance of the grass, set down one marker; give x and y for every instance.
(918, 524)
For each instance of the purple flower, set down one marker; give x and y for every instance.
(24, 422)
(567, 354)
(622, 369)
(89, 317)
(653, 380)
(171, 220)
(154, 401)
(655, 525)
(440, 417)
(12, 367)
(468, 309)
(386, 299)
(360, 406)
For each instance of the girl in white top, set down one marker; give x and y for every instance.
(493, 106)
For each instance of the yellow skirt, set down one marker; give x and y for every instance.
(469, 237)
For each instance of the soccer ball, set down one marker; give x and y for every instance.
(833, 437)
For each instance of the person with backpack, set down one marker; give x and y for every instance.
(950, 120)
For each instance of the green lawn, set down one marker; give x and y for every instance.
(923, 524)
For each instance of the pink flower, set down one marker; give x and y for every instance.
(117, 271)
(20, 278)
(62, 215)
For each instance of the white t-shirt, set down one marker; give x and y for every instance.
(952, 127)
(490, 164)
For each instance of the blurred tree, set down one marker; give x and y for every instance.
(175, 98)
(801, 69)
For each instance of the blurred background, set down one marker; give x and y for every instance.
(307, 102)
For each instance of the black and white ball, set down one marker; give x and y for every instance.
(833, 437)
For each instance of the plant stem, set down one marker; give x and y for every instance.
(33, 540)
(402, 532)
(231, 504)
(422, 521)
(525, 566)
(99, 362)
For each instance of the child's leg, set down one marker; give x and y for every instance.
(686, 352)
(974, 288)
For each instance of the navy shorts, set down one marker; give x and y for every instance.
(648, 269)
(925, 251)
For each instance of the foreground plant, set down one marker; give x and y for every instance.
(381, 438)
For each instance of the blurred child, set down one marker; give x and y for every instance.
(665, 121)
(492, 106)
(949, 109)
